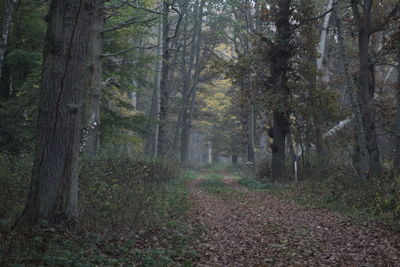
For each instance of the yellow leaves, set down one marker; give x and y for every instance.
(216, 101)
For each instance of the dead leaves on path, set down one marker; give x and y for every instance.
(252, 228)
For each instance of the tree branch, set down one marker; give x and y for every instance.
(127, 23)
(128, 50)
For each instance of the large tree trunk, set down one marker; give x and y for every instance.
(366, 82)
(367, 104)
(52, 197)
(363, 167)
(279, 64)
(9, 8)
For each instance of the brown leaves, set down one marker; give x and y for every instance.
(251, 228)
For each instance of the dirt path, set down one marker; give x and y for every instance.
(250, 228)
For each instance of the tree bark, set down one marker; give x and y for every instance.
(396, 162)
(52, 198)
(366, 88)
(281, 54)
(164, 90)
(152, 139)
(9, 8)
(323, 37)
(364, 162)
(92, 117)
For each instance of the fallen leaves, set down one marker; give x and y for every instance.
(252, 228)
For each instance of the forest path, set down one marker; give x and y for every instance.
(256, 228)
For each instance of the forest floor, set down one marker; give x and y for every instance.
(243, 227)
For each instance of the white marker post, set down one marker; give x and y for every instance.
(295, 159)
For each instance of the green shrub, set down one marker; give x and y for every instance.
(377, 198)
(118, 191)
(132, 213)
(15, 175)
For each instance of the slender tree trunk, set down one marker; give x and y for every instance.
(291, 152)
(51, 196)
(164, 90)
(152, 139)
(251, 154)
(186, 70)
(396, 162)
(186, 133)
(92, 116)
(279, 64)
(363, 167)
(324, 37)
(320, 67)
(191, 83)
(9, 8)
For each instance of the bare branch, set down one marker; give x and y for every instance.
(128, 23)
(178, 23)
(128, 50)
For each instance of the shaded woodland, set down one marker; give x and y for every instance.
(109, 110)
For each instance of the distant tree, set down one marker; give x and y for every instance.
(8, 13)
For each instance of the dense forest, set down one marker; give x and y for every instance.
(204, 133)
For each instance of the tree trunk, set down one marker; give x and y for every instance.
(52, 198)
(363, 167)
(92, 118)
(279, 64)
(366, 88)
(186, 70)
(251, 154)
(186, 133)
(9, 8)
(396, 162)
(164, 90)
(152, 139)
(191, 83)
(323, 37)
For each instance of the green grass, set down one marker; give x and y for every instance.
(216, 167)
(254, 184)
(213, 183)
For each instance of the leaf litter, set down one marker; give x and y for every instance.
(253, 228)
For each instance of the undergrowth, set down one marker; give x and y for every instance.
(377, 199)
(132, 213)
(213, 183)
(256, 184)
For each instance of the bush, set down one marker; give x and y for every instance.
(15, 175)
(131, 214)
(118, 191)
(342, 190)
